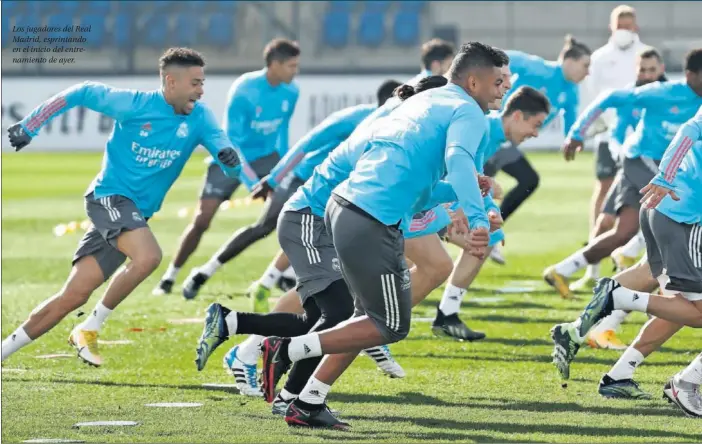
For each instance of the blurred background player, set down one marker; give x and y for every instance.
(260, 105)
(612, 67)
(300, 161)
(128, 190)
(671, 220)
(559, 82)
(650, 68)
(665, 107)
(437, 56)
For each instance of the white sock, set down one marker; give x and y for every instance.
(593, 271)
(14, 342)
(315, 392)
(96, 318)
(451, 300)
(249, 350)
(305, 346)
(627, 363)
(611, 322)
(289, 273)
(572, 264)
(232, 322)
(171, 273)
(286, 395)
(210, 267)
(630, 300)
(693, 372)
(635, 246)
(270, 276)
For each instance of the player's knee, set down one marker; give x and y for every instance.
(530, 182)
(148, 261)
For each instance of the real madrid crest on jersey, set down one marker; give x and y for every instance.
(285, 106)
(182, 130)
(562, 98)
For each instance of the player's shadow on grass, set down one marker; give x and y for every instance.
(420, 399)
(515, 319)
(515, 342)
(533, 358)
(506, 427)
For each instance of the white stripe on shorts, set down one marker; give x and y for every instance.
(307, 237)
(112, 212)
(392, 320)
(695, 245)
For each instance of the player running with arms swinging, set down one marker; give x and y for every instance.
(154, 135)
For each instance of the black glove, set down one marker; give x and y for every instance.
(262, 189)
(18, 137)
(228, 157)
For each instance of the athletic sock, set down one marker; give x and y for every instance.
(635, 246)
(611, 322)
(305, 346)
(451, 300)
(210, 267)
(693, 372)
(14, 342)
(571, 264)
(270, 276)
(289, 273)
(287, 396)
(627, 363)
(249, 350)
(232, 321)
(593, 271)
(630, 300)
(171, 273)
(96, 318)
(315, 392)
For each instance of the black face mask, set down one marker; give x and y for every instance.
(662, 78)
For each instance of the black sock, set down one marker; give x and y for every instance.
(307, 406)
(274, 324)
(284, 350)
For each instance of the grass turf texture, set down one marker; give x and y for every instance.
(503, 389)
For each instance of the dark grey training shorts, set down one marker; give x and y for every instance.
(221, 187)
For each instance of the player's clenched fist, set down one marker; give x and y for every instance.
(228, 157)
(18, 137)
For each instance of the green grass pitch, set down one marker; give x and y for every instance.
(503, 389)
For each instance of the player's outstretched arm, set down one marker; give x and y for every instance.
(114, 102)
(238, 117)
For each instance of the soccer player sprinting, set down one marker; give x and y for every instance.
(650, 68)
(259, 107)
(671, 220)
(322, 291)
(154, 135)
(613, 66)
(432, 135)
(302, 159)
(522, 117)
(665, 106)
(558, 80)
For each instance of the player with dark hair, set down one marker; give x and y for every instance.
(259, 107)
(436, 56)
(521, 118)
(321, 291)
(300, 161)
(154, 135)
(665, 106)
(671, 220)
(559, 81)
(432, 133)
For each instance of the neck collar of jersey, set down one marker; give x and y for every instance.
(455, 87)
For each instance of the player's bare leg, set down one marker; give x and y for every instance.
(626, 227)
(190, 239)
(432, 265)
(85, 277)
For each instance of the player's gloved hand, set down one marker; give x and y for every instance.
(262, 189)
(654, 194)
(495, 219)
(485, 183)
(18, 137)
(478, 242)
(570, 147)
(228, 157)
